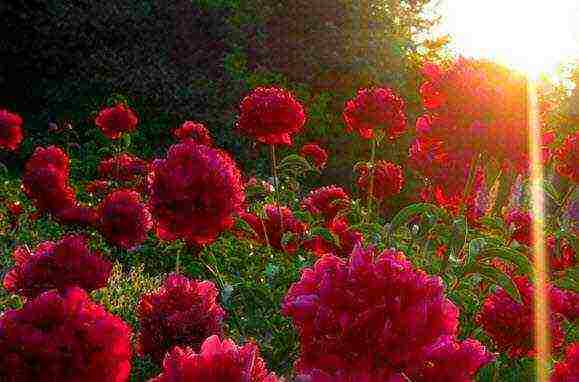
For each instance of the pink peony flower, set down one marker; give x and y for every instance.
(367, 312)
(218, 361)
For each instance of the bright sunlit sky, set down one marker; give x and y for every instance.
(529, 35)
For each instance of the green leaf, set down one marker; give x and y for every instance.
(295, 164)
(500, 279)
(551, 191)
(287, 238)
(407, 213)
(326, 234)
(570, 280)
(126, 141)
(511, 255)
(245, 226)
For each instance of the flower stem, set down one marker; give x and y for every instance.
(469, 182)
(565, 201)
(371, 187)
(178, 262)
(276, 184)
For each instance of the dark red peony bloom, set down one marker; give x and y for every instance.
(368, 313)
(442, 358)
(218, 361)
(521, 222)
(64, 336)
(194, 130)
(10, 130)
(326, 201)
(568, 369)
(348, 238)
(45, 180)
(272, 228)
(561, 254)
(510, 324)
(182, 313)
(60, 265)
(124, 167)
(124, 219)
(117, 120)
(314, 152)
(271, 115)
(567, 158)
(388, 179)
(375, 109)
(195, 193)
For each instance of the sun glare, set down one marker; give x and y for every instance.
(533, 36)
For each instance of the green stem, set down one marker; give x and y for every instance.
(371, 187)
(470, 181)
(276, 185)
(178, 261)
(565, 201)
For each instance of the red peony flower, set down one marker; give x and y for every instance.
(348, 238)
(271, 115)
(124, 168)
(15, 208)
(183, 312)
(568, 369)
(567, 158)
(510, 324)
(373, 109)
(316, 153)
(327, 201)
(99, 187)
(10, 130)
(388, 179)
(442, 357)
(521, 221)
(117, 120)
(218, 361)
(45, 180)
(384, 375)
(194, 130)
(561, 254)
(60, 265)
(271, 228)
(64, 336)
(477, 106)
(195, 193)
(367, 313)
(124, 219)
